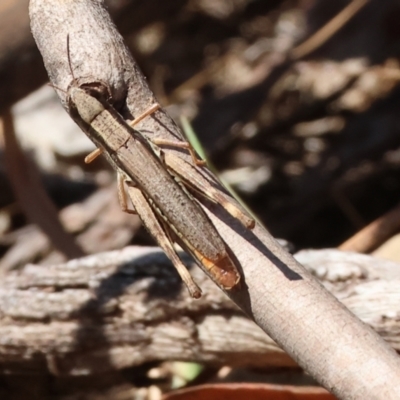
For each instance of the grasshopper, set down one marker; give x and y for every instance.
(157, 185)
(184, 172)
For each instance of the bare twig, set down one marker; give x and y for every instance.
(328, 30)
(374, 234)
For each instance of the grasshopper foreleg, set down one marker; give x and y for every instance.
(97, 152)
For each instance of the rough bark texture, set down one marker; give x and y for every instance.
(124, 308)
(120, 309)
(342, 353)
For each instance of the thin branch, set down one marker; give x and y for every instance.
(375, 233)
(328, 30)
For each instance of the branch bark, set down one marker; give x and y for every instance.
(120, 309)
(317, 331)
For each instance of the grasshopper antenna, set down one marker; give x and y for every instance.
(69, 59)
(70, 69)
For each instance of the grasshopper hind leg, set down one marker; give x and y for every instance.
(148, 217)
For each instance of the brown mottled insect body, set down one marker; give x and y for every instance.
(170, 203)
